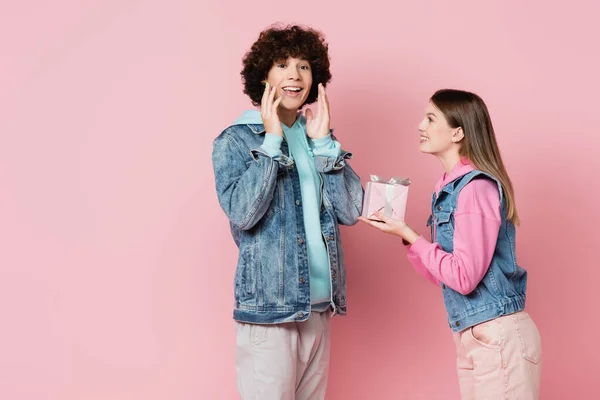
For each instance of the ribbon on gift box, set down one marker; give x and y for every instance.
(389, 190)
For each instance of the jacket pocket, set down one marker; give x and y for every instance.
(246, 274)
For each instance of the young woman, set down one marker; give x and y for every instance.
(472, 257)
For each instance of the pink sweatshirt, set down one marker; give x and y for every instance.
(476, 226)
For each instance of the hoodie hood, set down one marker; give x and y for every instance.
(249, 117)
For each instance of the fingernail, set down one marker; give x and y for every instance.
(267, 85)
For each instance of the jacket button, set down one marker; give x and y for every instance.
(300, 314)
(457, 323)
(302, 280)
(439, 208)
(333, 275)
(300, 241)
(297, 202)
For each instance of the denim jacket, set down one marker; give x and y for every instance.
(502, 289)
(261, 197)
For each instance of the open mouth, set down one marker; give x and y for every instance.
(424, 139)
(292, 91)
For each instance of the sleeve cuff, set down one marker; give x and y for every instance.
(272, 144)
(326, 147)
(420, 246)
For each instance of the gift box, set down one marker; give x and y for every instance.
(388, 196)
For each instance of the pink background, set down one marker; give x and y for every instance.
(116, 261)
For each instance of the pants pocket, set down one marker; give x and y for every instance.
(258, 334)
(530, 341)
(463, 360)
(487, 334)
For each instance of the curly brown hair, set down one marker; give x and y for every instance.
(279, 43)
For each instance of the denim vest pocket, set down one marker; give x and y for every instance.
(444, 229)
(442, 217)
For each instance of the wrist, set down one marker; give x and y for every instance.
(407, 234)
(274, 129)
(319, 136)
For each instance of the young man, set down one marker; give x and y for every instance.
(285, 185)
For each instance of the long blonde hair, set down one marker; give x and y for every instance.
(468, 111)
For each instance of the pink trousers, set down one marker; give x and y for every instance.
(500, 359)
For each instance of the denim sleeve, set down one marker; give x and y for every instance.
(342, 185)
(244, 188)
(329, 156)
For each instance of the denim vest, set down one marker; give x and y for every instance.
(502, 289)
(261, 197)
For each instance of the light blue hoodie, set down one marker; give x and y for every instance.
(303, 150)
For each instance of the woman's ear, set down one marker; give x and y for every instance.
(458, 135)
